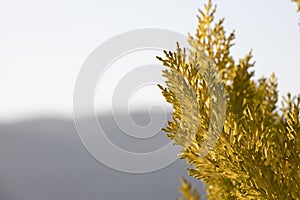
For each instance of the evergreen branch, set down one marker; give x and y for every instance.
(254, 151)
(188, 193)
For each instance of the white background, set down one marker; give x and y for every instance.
(44, 43)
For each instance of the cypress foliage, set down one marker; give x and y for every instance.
(237, 139)
(188, 193)
(298, 2)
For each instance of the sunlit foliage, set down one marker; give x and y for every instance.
(257, 155)
(188, 193)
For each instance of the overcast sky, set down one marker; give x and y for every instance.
(44, 43)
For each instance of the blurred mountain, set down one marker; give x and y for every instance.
(43, 159)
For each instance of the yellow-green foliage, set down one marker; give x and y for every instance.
(298, 2)
(187, 192)
(257, 155)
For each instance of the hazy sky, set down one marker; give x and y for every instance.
(44, 43)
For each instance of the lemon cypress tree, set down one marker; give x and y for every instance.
(239, 142)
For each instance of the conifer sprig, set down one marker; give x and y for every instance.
(188, 193)
(257, 155)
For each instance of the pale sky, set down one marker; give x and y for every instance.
(44, 43)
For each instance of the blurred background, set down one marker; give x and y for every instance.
(43, 45)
